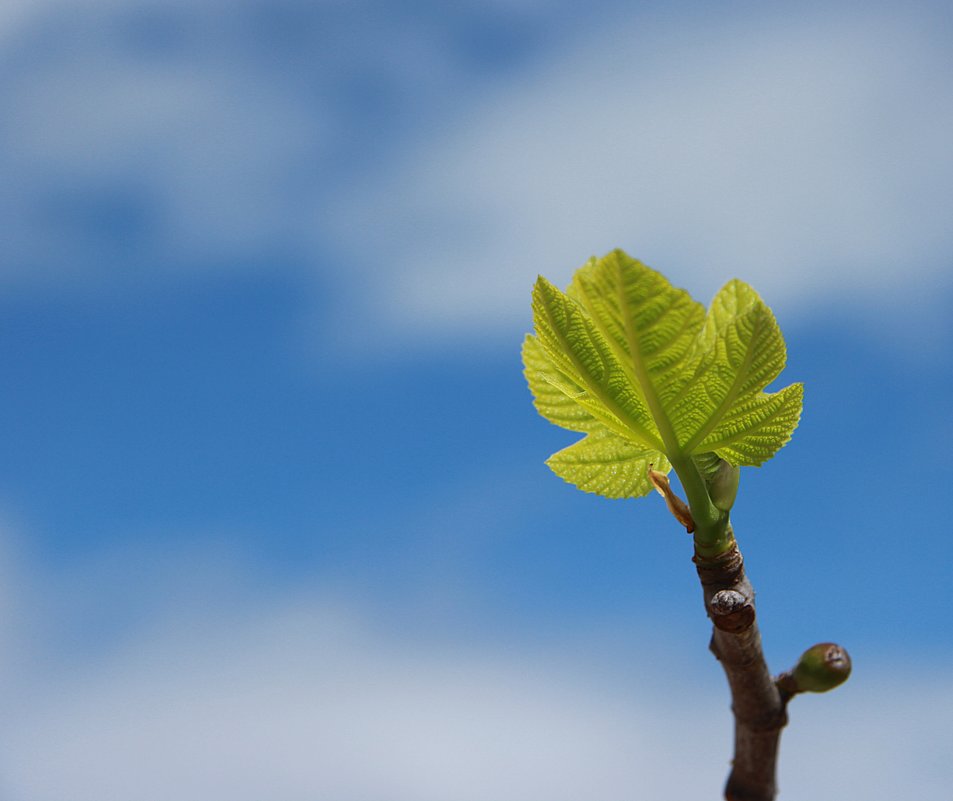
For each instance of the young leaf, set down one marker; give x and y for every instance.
(636, 364)
(607, 461)
(555, 396)
(608, 465)
(579, 353)
(652, 325)
(725, 409)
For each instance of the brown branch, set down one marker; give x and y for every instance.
(760, 710)
(758, 701)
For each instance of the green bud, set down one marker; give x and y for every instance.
(822, 667)
(723, 485)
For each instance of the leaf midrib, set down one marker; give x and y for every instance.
(644, 437)
(619, 430)
(732, 394)
(662, 422)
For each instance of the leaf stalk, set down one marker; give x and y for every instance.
(712, 534)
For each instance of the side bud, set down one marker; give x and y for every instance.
(821, 667)
(723, 485)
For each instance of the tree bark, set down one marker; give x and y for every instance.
(760, 710)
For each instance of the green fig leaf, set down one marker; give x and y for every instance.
(608, 465)
(638, 366)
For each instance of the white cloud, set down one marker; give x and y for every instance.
(301, 706)
(304, 697)
(188, 157)
(805, 153)
(163, 136)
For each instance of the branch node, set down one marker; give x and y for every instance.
(723, 571)
(731, 611)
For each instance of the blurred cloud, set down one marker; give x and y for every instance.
(147, 137)
(162, 136)
(169, 136)
(305, 696)
(804, 152)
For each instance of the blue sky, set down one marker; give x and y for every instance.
(275, 516)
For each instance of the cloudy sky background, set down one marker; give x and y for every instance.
(274, 515)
